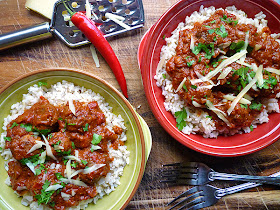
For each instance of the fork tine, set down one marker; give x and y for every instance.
(192, 203)
(188, 192)
(190, 200)
(199, 206)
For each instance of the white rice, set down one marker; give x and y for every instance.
(59, 94)
(197, 122)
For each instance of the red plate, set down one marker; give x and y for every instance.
(148, 58)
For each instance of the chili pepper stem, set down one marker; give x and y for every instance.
(71, 13)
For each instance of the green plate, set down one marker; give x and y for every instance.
(133, 172)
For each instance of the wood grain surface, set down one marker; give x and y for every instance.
(151, 194)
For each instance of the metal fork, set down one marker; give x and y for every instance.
(194, 173)
(206, 195)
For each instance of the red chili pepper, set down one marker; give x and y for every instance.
(95, 36)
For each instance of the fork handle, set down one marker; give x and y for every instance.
(237, 188)
(236, 177)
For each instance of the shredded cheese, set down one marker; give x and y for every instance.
(196, 104)
(181, 85)
(88, 9)
(218, 112)
(72, 157)
(225, 63)
(54, 187)
(192, 43)
(31, 167)
(242, 100)
(42, 157)
(225, 73)
(113, 18)
(36, 146)
(160, 64)
(259, 75)
(48, 148)
(272, 70)
(244, 48)
(73, 181)
(93, 168)
(94, 55)
(118, 17)
(72, 107)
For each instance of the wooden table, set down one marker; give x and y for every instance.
(151, 194)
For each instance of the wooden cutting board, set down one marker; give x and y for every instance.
(151, 194)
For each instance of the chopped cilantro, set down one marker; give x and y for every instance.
(52, 204)
(86, 127)
(185, 88)
(213, 21)
(6, 138)
(211, 31)
(209, 116)
(163, 37)
(96, 139)
(73, 145)
(164, 76)
(221, 31)
(270, 82)
(33, 159)
(237, 46)
(45, 196)
(229, 20)
(207, 26)
(192, 98)
(190, 63)
(199, 60)
(188, 57)
(180, 119)
(60, 118)
(74, 164)
(242, 72)
(255, 105)
(42, 84)
(39, 170)
(193, 86)
(215, 38)
(244, 106)
(251, 128)
(27, 127)
(13, 125)
(84, 162)
(205, 48)
(71, 124)
(59, 176)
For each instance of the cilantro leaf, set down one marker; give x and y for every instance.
(96, 139)
(84, 162)
(190, 63)
(86, 127)
(58, 176)
(42, 84)
(185, 88)
(221, 31)
(13, 125)
(255, 105)
(6, 138)
(180, 116)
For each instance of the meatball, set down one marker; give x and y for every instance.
(60, 143)
(20, 146)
